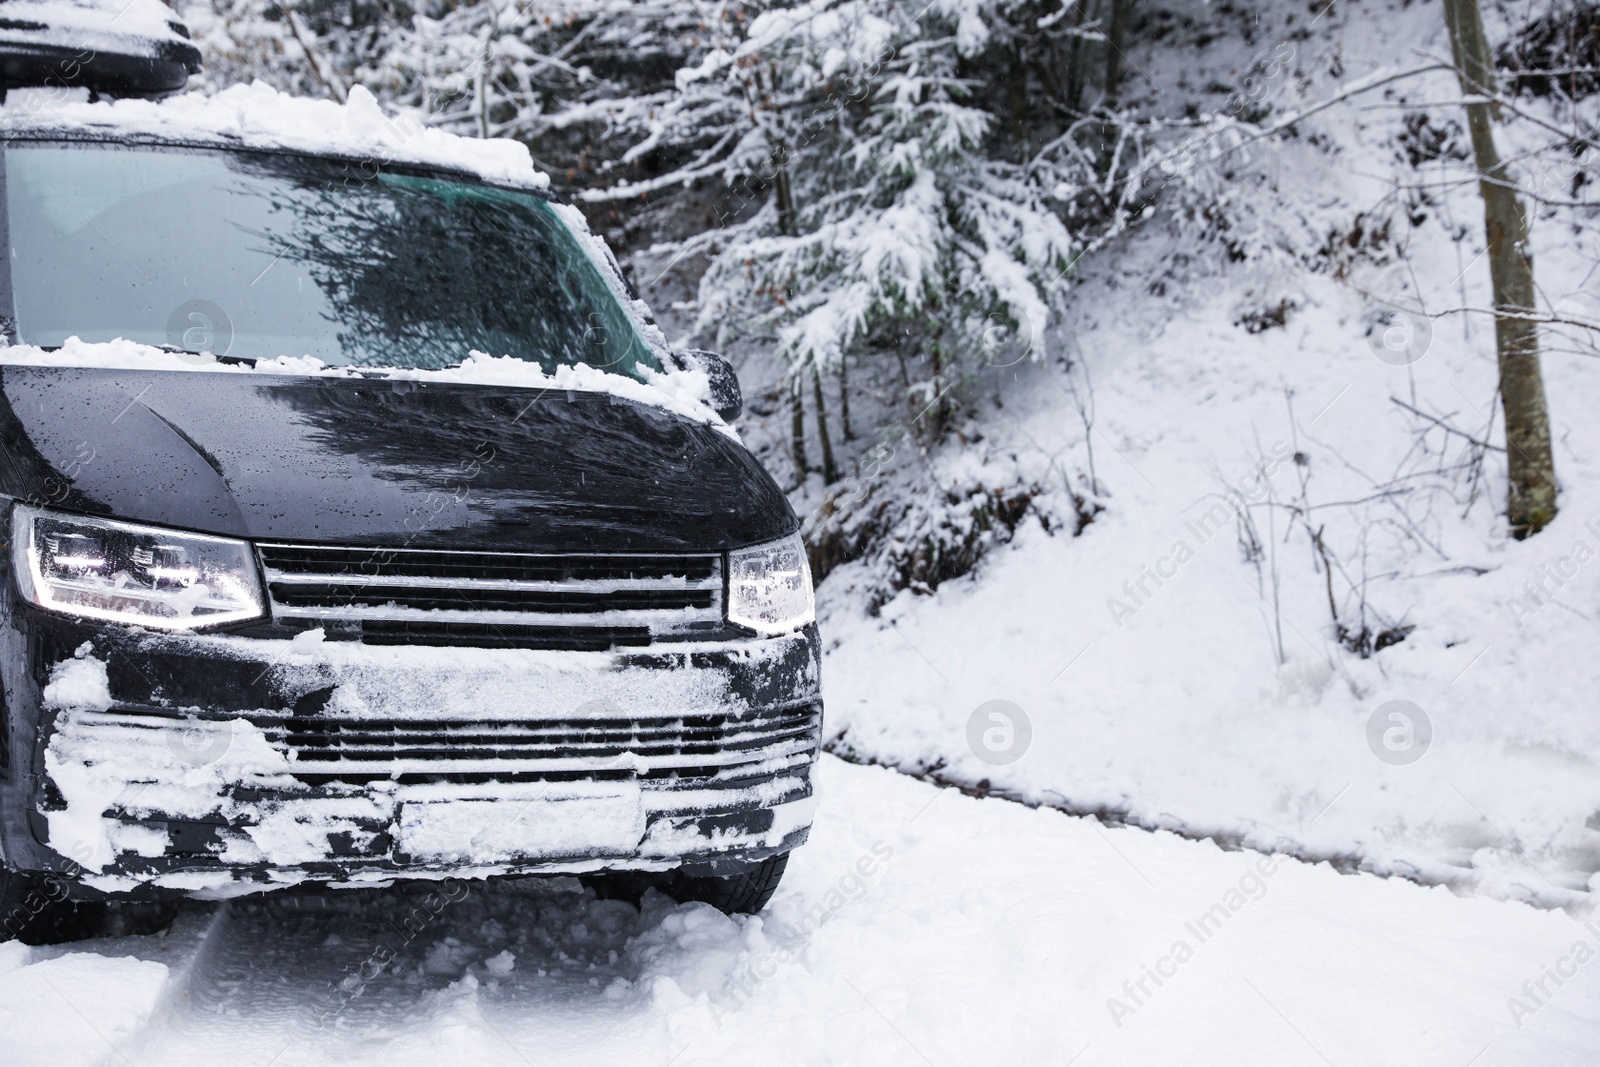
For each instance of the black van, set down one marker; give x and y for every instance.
(396, 610)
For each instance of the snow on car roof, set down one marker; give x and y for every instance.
(260, 117)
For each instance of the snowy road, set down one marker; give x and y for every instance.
(919, 927)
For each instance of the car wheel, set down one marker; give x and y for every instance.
(744, 893)
(13, 911)
(137, 918)
(30, 913)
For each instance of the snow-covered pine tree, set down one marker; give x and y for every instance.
(887, 220)
(477, 67)
(308, 47)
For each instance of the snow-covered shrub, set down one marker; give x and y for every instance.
(1556, 52)
(919, 536)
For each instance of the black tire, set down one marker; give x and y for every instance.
(137, 918)
(14, 913)
(741, 894)
(745, 893)
(34, 911)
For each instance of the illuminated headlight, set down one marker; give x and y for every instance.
(769, 587)
(122, 572)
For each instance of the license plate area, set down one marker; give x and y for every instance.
(527, 828)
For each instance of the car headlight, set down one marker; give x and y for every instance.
(769, 586)
(124, 572)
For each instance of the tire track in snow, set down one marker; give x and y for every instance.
(1539, 891)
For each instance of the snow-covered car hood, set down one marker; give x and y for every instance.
(381, 461)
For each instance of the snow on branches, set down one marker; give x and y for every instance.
(883, 211)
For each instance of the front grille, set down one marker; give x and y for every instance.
(410, 595)
(720, 749)
(423, 750)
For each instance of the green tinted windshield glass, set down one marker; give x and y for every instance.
(261, 255)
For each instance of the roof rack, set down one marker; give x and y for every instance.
(111, 47)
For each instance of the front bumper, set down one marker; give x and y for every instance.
(149, 764)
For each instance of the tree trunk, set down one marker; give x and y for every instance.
(303, 37)
(830, 471)
(1117, 16)
(1017, 108)
(1050, 68)
(844, 400)
(1075, 60)
(1531, 465)
(483, 73)
(765, 81)
(788, 225)
(797, 431)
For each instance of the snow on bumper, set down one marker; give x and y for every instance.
(204, 763)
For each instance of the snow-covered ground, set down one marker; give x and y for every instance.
(1170, 679)
(919, 926)
(1176, 711)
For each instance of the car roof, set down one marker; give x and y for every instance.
(45, 135)
(259, 118)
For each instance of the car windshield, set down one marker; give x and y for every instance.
(260, 255)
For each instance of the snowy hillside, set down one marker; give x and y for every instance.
(1178, 660)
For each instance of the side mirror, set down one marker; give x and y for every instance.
(726, 396)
